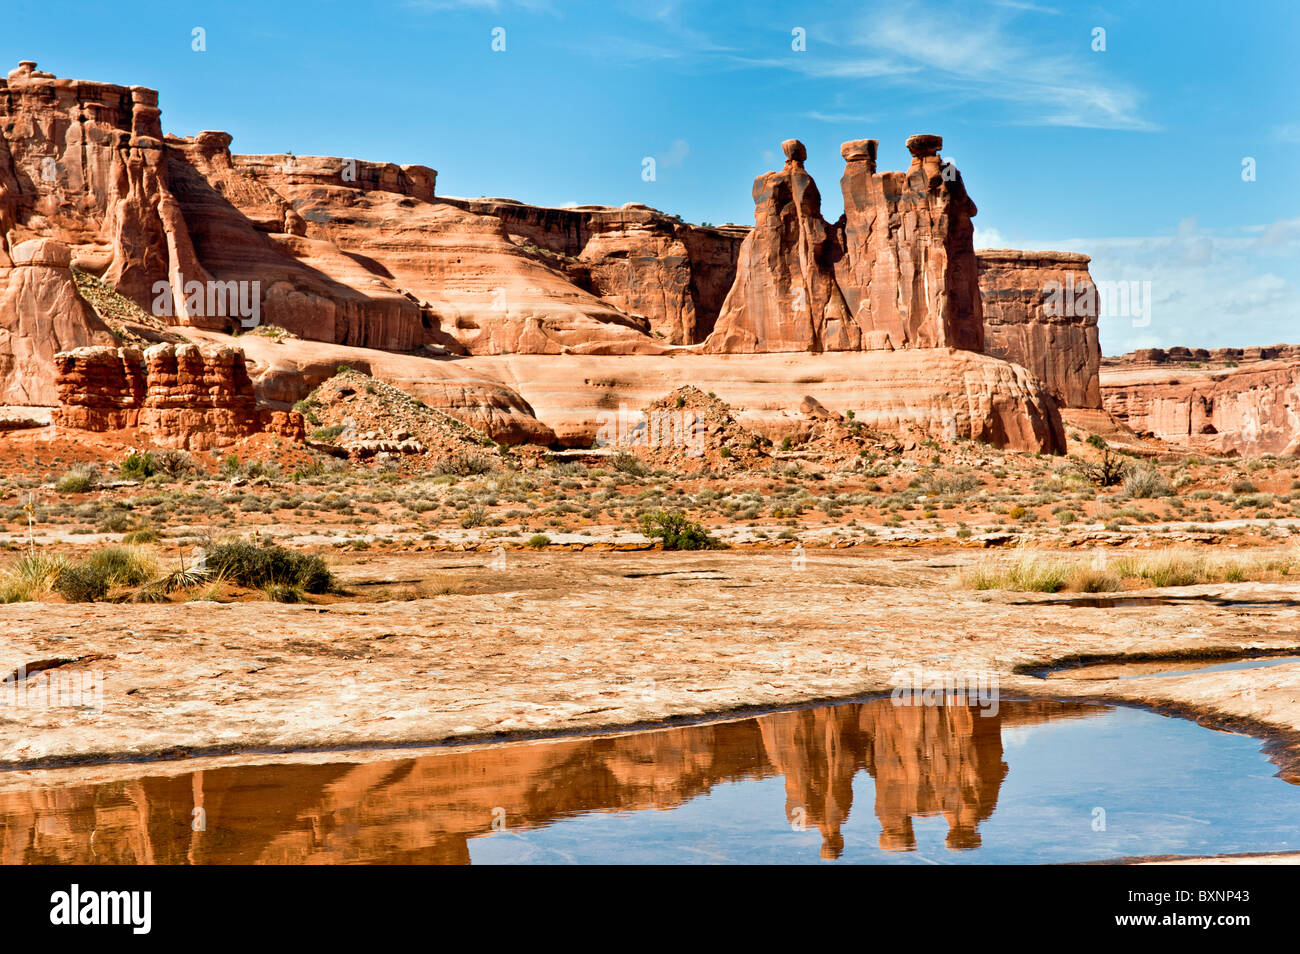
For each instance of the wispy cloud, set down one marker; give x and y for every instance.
(1027, 7)
(933, 49)
(676, 154)
(1287, 132)
(839, 117)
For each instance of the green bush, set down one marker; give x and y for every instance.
(138, 465)
(538, 540)
(261, 566)
(629, 464)
(143, 535)
(676, 532)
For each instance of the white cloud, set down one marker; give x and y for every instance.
(676, 154)
(989, 238)
(938, 50)
(1208, 289)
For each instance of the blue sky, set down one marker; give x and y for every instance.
(1132, 154)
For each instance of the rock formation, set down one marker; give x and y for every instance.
(938, 392)
(672, 275)
(785, 297)
(909, 272)
(85, 163)
(364, 259)
(40, 315)
(1233, 405)
(1040, 311)
(897, 271)
(183, 396)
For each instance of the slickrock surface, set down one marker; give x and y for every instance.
(183, 396)
(1054, 337)
(678, 635)
(945, 394)
(1251, 409)
(40, 315)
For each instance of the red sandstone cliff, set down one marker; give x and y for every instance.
(1229, 400)
(183, 396)
(1031, 319)
(897, 271)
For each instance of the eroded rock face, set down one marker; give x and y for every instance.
(1250, 409)
(785, 297)
(897, 271)
(909, 272)
(41, 314)
(671, 275)
(187, 396)
(939, 393)
(1040, 311)
(84, 163)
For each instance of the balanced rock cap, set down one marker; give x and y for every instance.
(794, 150)
(924, 144)
(860, 149)
(44, 251)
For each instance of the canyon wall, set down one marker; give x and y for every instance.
(183, 396)
(364, 257)
(1031, 319)
(1241, 403)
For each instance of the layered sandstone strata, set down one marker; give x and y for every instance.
(84, 163)
(909, 272)
(1250, 409)
(897, 271)
(184, 396)
(672, 275)
(1040, 311)
(41, 314)
(467, 286)
(940, 393)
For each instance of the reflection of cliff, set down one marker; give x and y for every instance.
(926, 760)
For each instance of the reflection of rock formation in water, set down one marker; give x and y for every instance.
(926, 760)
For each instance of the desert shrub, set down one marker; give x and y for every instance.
(1244, 486)
(538, 540)
(1107, 472)
(138, 465)
(327, 433)
(92, 578)
(143, 535)
(260, 566)
(174, 463)
(676, 532)
(30, 577)
(462, 464)
(80, 583)
(1097, 441)
(1146, 481)
(283, 593)
(78, 480)
(629, 464)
